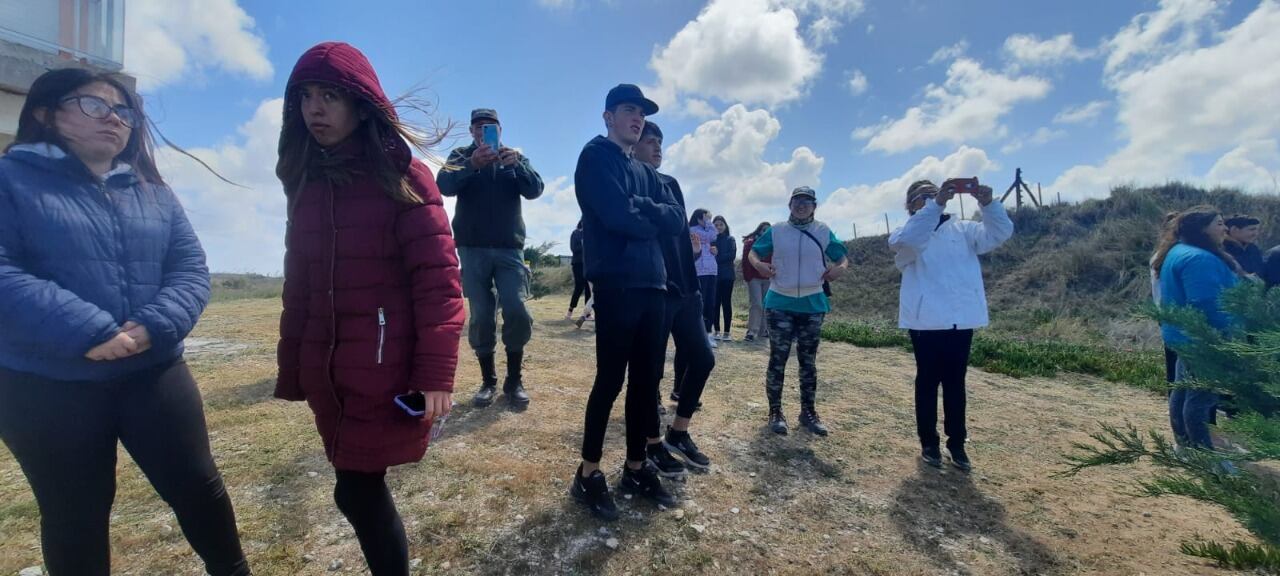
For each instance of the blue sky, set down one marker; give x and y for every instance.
(854, 97)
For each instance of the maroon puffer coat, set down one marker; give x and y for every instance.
(372, 297)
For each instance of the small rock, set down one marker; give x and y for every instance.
(166, 529)
(308, 558)
(753, 474)
(336, 565)
(313, 474)
(1146, 514)
(446, 566)
(679, 514)
(753, 405)
(519, 517)
(31, 571)
(984, 540)
(734, 510)
(415, 563)
(698, 528)
(612, 543)
(939, 529)
(603, 531)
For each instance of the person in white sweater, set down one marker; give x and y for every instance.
(942, 301)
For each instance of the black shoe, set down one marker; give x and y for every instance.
(514, 389)
(749, 338)
(777, 422)
(668, 466)
(809, 419)
(593, 492)
(484, 396)
(681, 444)
(959, 459)
(646, 483)
(662, 410)
(675, 396)
(931, 456)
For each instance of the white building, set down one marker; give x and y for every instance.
(39, 35)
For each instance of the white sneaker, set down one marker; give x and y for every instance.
(717, 336)
(569, 315)
(726, 337)
(712, 341)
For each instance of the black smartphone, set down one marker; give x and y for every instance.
(413, 403)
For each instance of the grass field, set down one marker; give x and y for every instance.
(490, 497)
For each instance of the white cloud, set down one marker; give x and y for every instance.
(553, 216)
(172, 39)
(748, 51)
(867, 204)
(1040, 137)
(1148, 34)
(1194, 101)
(1029, 50)
(966, 108)
(857, 82)
(1252, 166)
(721, 167)
(1081, 114)
(242, 229)
(949, 53)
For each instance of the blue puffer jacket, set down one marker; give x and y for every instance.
(79, 257)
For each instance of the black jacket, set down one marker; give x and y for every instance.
(624, 210)
(575, 247)
(726, 253)
(488, 214)
(1249, 257)
(677, 250)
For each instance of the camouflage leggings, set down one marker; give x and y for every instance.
(806, 330)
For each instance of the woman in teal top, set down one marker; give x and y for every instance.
(805, 255)
(1193, 270)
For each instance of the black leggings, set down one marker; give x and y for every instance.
(942, 358)
(64, 435)
(707, 286)
(363, 497)
(694, 359)
(1170, 364)
(580, 286)
(724, 296)
(630, 343)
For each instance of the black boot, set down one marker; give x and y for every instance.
(777, 422)
(809, 419)
(488, 383)
(513, 386)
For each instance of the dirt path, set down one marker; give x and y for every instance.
(490, 496)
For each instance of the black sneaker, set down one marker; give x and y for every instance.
(931, 456)
(681, 444)
(749, 338)
(646, 483)
(959, 459)
(593, 492)
(810, 420)
(667, 465)
(675, 396)
(777, 422)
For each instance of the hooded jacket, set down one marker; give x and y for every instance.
(80, 256)
(372, 296)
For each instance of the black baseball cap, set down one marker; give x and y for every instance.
(651, 128)
(630, 93)
(484, 114)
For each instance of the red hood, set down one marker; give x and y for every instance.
(342, 65)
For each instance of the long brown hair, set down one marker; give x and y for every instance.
(760, 228)
(377, 134)
(1188, 227)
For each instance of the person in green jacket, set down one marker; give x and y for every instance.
(489, 230)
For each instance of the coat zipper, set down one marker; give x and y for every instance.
(333, 319)
(382, 332)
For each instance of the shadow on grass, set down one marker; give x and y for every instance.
(241, 395)
(948, 499)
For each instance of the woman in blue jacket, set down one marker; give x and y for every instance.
(1194, 270)
(101, 279)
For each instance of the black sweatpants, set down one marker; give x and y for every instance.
(581, 288)
(707, 286)
(629, 346)
(724, 297)
(64, 436)
(363, 497)
(1170, 364)
(942, 358)
(694, 359)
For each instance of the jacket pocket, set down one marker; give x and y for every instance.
(382, 332)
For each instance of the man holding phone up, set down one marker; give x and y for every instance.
(942, 300)
(489, 180)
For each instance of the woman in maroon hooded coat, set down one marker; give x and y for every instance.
(372, 296)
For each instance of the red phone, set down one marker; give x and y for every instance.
(963, 185)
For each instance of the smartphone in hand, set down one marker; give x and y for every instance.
(413, 403)
(491, 136)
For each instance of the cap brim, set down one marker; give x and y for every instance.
(649, 107)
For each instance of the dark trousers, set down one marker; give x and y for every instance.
(694, 359)
(942, 358)
(580, 286)
(363, 497)
(724, 296)
(1170, 365)
(629, 346)
(64, 436)
(707, 286)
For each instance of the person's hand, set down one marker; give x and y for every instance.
(833, 273)
(438, 404)
(983, 195)
(139, 334)
(508, 157)
(483, 157)
(119, 346)
(714, 250)
(765, 269)
(697, 242)
(946, 193)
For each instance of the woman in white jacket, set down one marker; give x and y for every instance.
(942, 301)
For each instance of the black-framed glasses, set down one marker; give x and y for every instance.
(805, 202)
(98, 109)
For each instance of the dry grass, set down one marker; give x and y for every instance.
(490, 497)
